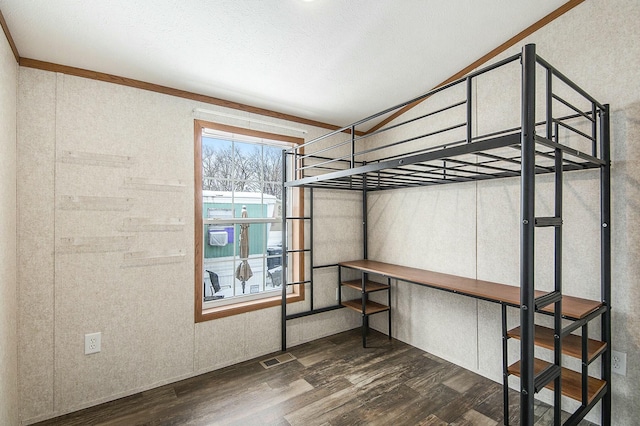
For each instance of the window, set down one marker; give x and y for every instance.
(238, 215)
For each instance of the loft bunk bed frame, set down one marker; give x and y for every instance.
(533, 147)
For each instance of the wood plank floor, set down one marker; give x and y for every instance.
(333, 381)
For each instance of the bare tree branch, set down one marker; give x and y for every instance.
(255, 170)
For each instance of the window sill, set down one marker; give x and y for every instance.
(243, 307)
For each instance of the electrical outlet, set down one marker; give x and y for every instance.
(619, 363)
(92, 343)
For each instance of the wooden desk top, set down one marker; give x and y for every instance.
(572, 307)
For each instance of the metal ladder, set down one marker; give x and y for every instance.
(530, 382)
(286, 251)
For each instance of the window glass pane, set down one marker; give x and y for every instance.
(258, 204)
(237, 177)
(272, 171)
(274, 228)
(217, 164)
(218, 280)
(247, 186)
(213, 184)
(274, 189)
(247, 161)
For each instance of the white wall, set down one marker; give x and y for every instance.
(473, 229)
(8, 287)
(69, 288)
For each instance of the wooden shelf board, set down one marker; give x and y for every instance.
(572, 307)
(571, 380)
(370, 308)
(571, 344)
(370, 286)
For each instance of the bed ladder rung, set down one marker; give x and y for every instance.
(546, 376)
(548, 221)
(547, 299)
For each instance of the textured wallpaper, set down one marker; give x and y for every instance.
(8, 286)
(94, 160)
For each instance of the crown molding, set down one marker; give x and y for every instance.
(7, 33)
(138, 84)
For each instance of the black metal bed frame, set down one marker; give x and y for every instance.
(533, 147)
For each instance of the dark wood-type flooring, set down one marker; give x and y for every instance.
(333, 381)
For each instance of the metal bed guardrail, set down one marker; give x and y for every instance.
(344, 163)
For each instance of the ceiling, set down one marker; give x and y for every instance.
(333, 61)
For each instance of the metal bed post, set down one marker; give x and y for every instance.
(310, 245)
(594, 129)
(557, 313)
(527, 304)
(389, 304)
(339, 285)
(365, 296)
(469, 109)
(605, 253)
(585, 365)
(352, 161)
(365, 242)
(505, 366)
(284, 252)
(365, 318)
